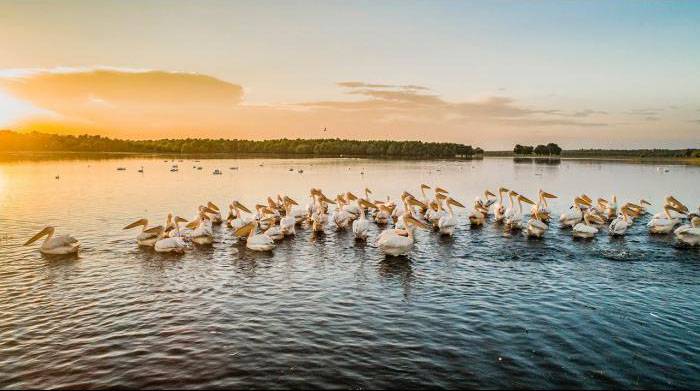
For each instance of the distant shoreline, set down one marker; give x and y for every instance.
(6, 156)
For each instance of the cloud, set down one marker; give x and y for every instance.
(143, 103)
(359, 84)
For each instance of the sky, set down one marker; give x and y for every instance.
(606, 74)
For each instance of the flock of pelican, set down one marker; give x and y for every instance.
(280, 217)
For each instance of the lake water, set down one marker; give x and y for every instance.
(482, 309)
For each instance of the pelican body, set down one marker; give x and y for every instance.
(55, 245)
(397, 242)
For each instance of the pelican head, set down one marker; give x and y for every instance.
(525, 200)
(240, 206)
(454, 202)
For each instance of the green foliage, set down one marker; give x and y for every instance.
(13, 141)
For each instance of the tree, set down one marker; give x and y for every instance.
(554, 149)
(541, 150)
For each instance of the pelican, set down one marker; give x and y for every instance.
(200, 229)
(586, 229)
(642, 208)
(621, 223)
(541, 207)
(360, 227)
(214, 214)
(409, 202)
(435, 212)
(447, 223)
(261, 211)
(499, 209)
(352, 209)
(274, 231)
(172, 226)
(515, 220)
(397, 242)
(171, 244)
(424, 200)
(611, 208)
(575, 216)
(235, 217)
(510, 210)
(255, 241)
(275, 209)
(288, 222)
(675, 214)
(478, 215)
(382, 216)
(536, 226)
(689, 233)
(341, 217)
(665, 224)
(148, 236)
(319, 218)
(58, 245)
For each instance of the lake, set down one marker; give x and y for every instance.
(482, 309)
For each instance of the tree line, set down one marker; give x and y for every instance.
(549, 149)
(11, 141)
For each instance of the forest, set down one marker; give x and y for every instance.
(11, 141)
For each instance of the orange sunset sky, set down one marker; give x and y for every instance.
(585, 74)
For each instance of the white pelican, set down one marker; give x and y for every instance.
(341, 217)
(397, 242)
(515, 220)
(510, 210)
(610, 211)
(58, 245)
(541, 207)
(172, 226)
(448, 222)
(382, 216)
(255, 241)
(586, 230)
(352, 208)
(214, 213)
(665, 223)
(536, 226)
(288, 222)
(478, 215)
(436, 211)
(689, 233)
(623, 221)
(261, 214)
(319, 218)
(643, 209)
(360, 227)
(499, 210)
(409, 202)
(671, 200)
(573, 217)
(148, 236)
(235, 217)
(425, 200)
(175, 244)
(275, 208)
(275, 231)
(200, 229)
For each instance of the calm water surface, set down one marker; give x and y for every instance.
(482, 309)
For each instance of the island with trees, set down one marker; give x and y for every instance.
(11, 141)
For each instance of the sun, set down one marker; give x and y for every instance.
(13, 110)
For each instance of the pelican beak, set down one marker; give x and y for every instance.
(441, 190)
(179, 219)
(644, 202)
(244, 230)
(154, 230)
(367, 204)
(525, 199)
(291, 201)
(45, 231)
(488, 193)
(548, 195)
(241, 207)
(137, 223)
(210, 210)
(326, 199)
(679, 210)
(417, 203)
(596, 219)
(503, 190)
(350, 196)
(424, 187)
(193, 224)
(368, 191)
(415, 222)
(211, 205)
(582, 201)
(455, 203)
(587, 198)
